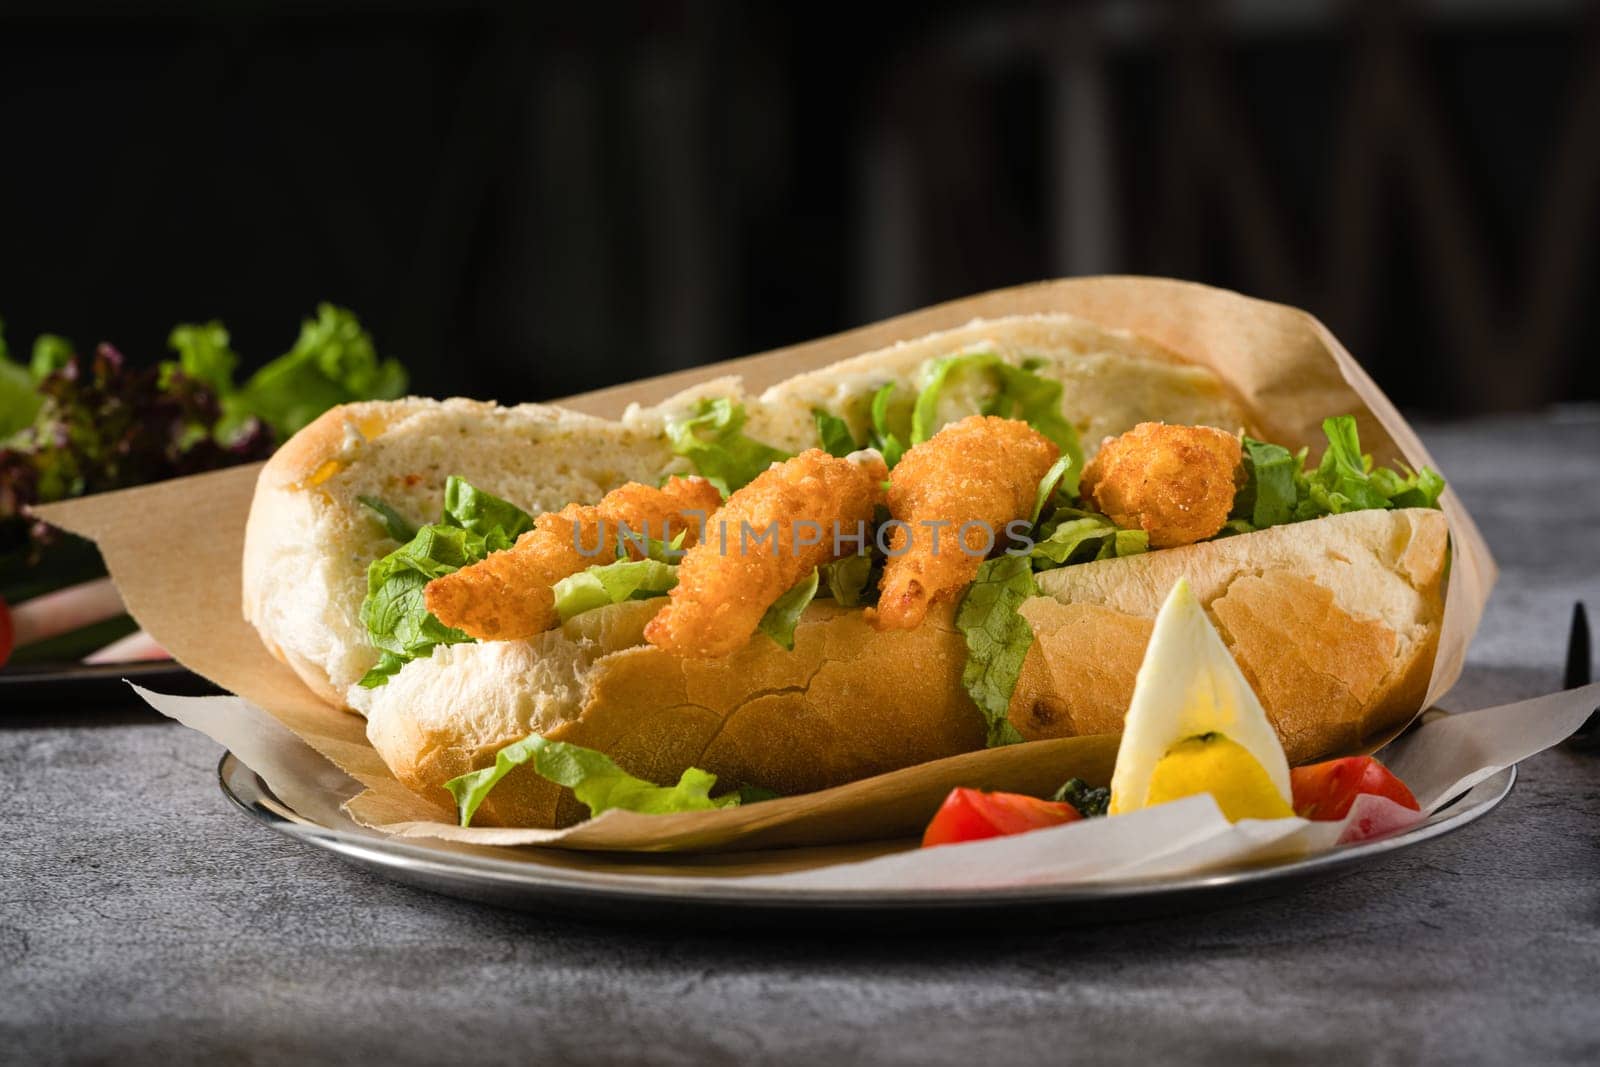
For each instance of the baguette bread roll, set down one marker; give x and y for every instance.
(1353, 598)
(1334, 623)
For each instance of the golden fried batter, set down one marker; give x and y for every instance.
(956, 492)
(1174, 482)
(728, 581)
(508, 597)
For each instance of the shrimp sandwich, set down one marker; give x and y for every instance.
(955, 542)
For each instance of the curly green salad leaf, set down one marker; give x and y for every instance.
(713, 441)
(593, 778)
(333, 361)
(1346, 480)
(397, 618)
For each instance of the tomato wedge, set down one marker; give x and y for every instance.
(972, 815)
(1325, 791)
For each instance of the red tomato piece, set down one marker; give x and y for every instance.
(972, 815)
(1324, 791)
(7, 632)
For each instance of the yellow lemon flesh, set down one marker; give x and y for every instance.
(1213, 764)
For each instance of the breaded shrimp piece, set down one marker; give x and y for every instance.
(727, 582)
(983, 471)
(1176, 483)
(508, 596)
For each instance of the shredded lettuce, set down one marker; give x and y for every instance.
(499, 523)
(394, 612)
(1003, 389)
(396, 525)
(1073, 535)
(612, 583)
(849, 580)
(712, 440)
(1049, 486)
(779, 621)
(889, 443)
(1268, 495)
(998, 638)
(833, 434)
(1345, 479)
(593, 778)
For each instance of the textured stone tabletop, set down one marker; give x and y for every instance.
(142, 919)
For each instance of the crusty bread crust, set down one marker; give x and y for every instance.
(1335, 621)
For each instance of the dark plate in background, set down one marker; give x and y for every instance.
(33, 686)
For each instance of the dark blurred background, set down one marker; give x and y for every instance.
(523, 201)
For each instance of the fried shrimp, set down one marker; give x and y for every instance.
(1174, 482)
(508, 596)
(953, 495)
(793, 517)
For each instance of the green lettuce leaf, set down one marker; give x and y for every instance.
(1048, 486)
(711, 439)
(394, 612)
(998, 638)
(1341, 481)
(889, 443)
(612, 583)
(51, 352)
(19, 400)
(779, 621)
(204, 354)
(1345, 479)
(833, 433)
(498, 522)
(333, 362)
(396, 617)
(1072, 535)
(983, 383)
(1269, 495)
(593, 778)
(848, 580)
(1416, 489)
(396, 525)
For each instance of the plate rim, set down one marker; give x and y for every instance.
(421, 863)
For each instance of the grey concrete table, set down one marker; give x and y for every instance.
(142, 919)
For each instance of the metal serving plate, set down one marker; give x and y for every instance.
(690, 889)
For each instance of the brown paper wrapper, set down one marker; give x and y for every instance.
(174, 551)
